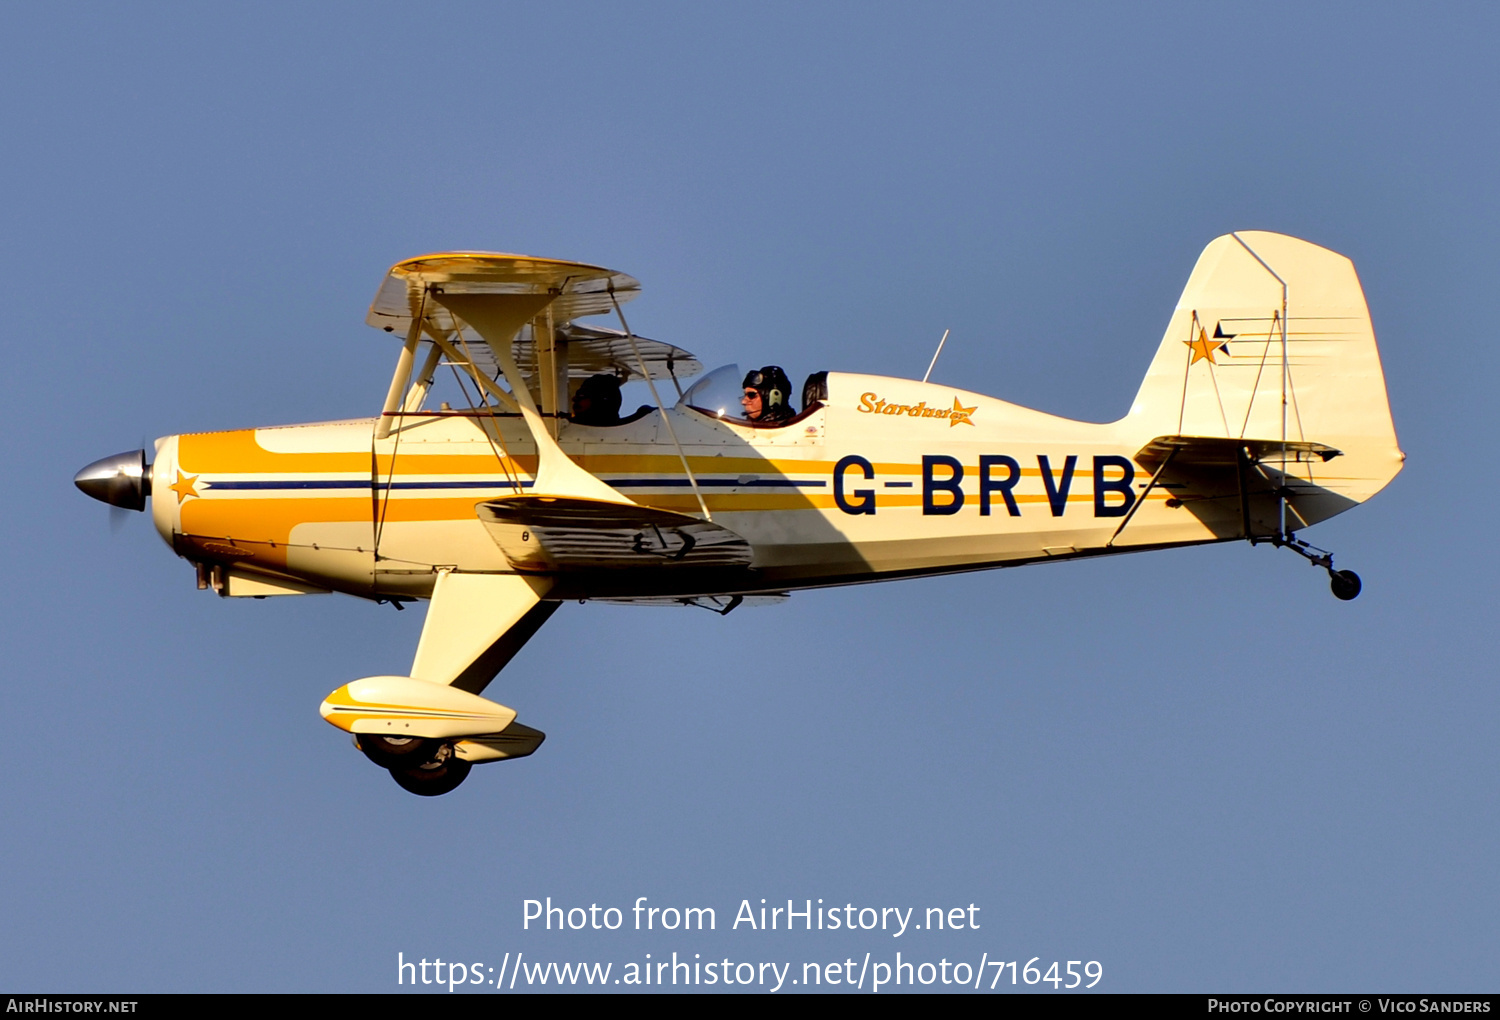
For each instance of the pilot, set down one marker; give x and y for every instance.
(766, 396)
(597, 401)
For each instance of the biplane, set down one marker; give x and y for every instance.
(1263, 412)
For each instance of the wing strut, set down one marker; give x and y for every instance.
(483, 381)
(388, 413)
(497, 295)
(497, 318)
(418, 392)
(403, 371)
(693, 481)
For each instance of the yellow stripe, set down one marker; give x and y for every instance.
(239, 453)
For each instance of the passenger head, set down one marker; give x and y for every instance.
(767, 394)
(597, 401)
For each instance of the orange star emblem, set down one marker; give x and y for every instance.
(960, 413)
(184, 487)
(1203, 348)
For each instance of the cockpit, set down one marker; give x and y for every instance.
(720, 394)
(578, 377)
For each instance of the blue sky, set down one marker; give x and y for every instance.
(1194, 767)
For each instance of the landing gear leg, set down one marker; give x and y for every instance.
(1345, 584)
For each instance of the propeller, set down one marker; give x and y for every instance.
(118, 515)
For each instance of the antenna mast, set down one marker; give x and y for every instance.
(936, 353)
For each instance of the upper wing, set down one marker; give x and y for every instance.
(576, 288)
(581, 290)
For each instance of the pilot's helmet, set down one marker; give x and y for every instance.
(775, 390)
(603, 395)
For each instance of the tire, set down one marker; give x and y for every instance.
(433, 779)
(397, 752)
(1345, 585)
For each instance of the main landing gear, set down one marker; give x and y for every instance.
(428, 768)
(1345, 584)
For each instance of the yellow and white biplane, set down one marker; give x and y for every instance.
(1264, 411)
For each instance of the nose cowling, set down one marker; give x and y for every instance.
(123, 480)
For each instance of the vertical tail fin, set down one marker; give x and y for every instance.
(1271, 341)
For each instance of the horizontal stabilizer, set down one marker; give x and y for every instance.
(543, 534)
(1216, 450)
(1239, 487)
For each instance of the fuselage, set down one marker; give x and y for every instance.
(889, 477)
(1263, 412)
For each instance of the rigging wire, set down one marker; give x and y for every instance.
(507, 461)
(666, 419)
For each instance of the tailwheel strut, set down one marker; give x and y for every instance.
(1345, 584)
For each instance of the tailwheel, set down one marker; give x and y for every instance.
(441, 774)
(1345, 584)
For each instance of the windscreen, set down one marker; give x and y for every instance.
(717, 393)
